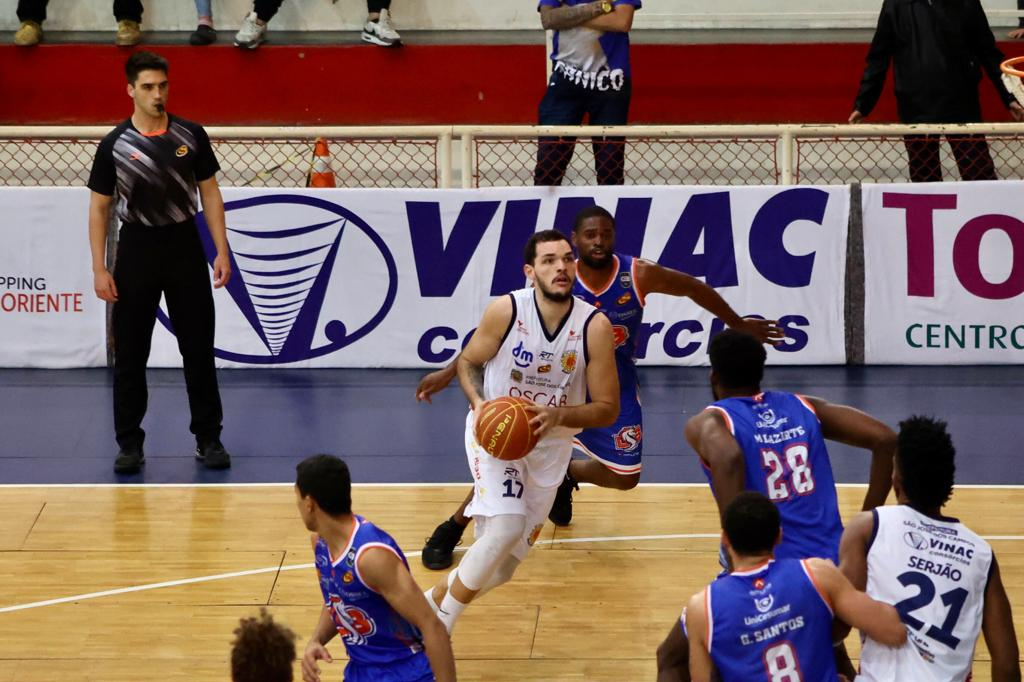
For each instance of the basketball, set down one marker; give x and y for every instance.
(503, 429)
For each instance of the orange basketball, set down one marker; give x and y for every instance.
(503, 428)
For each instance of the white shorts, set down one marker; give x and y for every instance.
(524, 486)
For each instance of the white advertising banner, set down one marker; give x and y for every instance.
(49, 316)
(399, 278)
(944, 273)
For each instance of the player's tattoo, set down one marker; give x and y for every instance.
(560, 18)
(476, 379)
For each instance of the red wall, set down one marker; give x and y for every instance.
(439, 84)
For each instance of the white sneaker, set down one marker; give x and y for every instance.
(381, 32)
(251, 34)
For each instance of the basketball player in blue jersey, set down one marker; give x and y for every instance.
(618, 285)
(770, 619)
(773, 443)
(370, 598)
(942, 577)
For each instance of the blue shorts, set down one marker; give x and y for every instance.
(413, 669)
(619, 446)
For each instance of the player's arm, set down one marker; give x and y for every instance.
(656, 279)
(436, 381)
(709, 436)
(99, 218)
(324, 632)
(384, 572)
(568, 16)
(853, 560)
(878, 620)
(701, 666)
(602, 386)
(213, 211)
(483, 346)
(851, 426)
(997, 626)
(619, 20)
(674, 655)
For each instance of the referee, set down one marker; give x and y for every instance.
(156, 162)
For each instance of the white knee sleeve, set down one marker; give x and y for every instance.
(502, 574)
(498, 537)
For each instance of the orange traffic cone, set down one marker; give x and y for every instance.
(321, 175)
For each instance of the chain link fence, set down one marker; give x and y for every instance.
(427, 157)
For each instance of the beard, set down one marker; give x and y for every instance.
(555, 296)
(597, 263)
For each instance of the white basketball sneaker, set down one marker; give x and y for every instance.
(251, 34)
(381, 32)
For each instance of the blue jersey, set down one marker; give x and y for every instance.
(373, 632)
(770, 624)
(584, 53)
(786, 460)
(621, 301)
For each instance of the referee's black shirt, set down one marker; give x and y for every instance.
(156, 175)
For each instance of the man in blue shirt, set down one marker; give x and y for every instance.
(590, 76)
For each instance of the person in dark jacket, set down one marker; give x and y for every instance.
(939, 49)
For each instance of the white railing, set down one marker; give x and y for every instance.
(478, 156)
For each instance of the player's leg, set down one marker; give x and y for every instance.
(673, 654)
(500, 527)
(133, 317)
(440, 546)
(614, 458)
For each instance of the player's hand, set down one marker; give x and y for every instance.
(765, 331)
(1016, 34)
(221, 270)
(855, 117)
(315, 651)
(544, 418)
(433, 383)
(103, 285)
(1017, 111)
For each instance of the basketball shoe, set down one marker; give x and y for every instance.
(561, 508)
(438, 550)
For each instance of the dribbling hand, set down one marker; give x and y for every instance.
(544, 418)
(315, 651)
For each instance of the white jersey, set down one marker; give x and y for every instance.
(935, 573)
(547, 370)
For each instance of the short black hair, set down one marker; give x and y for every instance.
(751, 522)
(325, 478)
(738, 359)
(926, 459)
(530, 252)
(591, 212)
(263, 651)
(143, 61)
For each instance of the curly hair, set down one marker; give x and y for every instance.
(263, 651)
(925, 457)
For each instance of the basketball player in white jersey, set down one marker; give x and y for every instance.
(546, 346)
(941, 576)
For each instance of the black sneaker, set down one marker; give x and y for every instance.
(203, 35)
(213, 455)
(129, 461)
(438, 550)
(561, 509)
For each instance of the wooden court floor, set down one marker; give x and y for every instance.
(591, 603)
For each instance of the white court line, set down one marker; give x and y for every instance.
(297, 567)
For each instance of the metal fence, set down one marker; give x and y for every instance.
(493, 156)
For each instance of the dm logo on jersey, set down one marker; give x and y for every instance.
(915, 540)
(181, 151)
(569, 361)
(521, 356)
(628, 438)
(353, 624)
(292, 298)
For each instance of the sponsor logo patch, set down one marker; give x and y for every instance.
(181, 151)
(569, 361)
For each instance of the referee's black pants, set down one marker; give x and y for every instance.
(150, 261)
